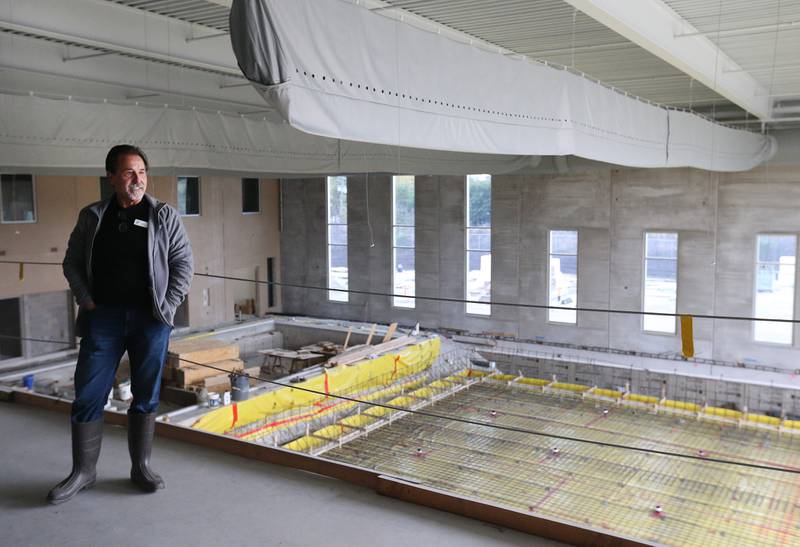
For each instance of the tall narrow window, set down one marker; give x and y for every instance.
(250, 198)
(660, 281)
(479, 244)
(403, 263)
(563, 280)
(17, 198)
(189, 196)
(775, 272)
(337, 238)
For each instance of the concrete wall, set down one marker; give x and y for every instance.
(763, 399)
(224, 241)
(46, 316)
(717, 217)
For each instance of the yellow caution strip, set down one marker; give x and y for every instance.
(687, 336)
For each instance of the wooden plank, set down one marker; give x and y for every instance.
(358, 355)
(390, 332)
(193, 374)
(347, 338)
(202, 350)
(549, 527)
(217, 384)
(371, 332)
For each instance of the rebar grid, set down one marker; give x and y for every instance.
(702, 502)
(536, 411)
(278, 428)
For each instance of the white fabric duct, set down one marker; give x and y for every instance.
(66, 136)
(336, 69)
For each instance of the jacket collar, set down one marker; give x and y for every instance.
(155, 205)
(99, 207)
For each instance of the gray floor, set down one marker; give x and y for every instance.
(211, 499)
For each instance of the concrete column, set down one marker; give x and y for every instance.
(427, 192)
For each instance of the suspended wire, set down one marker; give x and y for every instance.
(460, 300)
(491, 425)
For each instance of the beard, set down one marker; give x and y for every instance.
(130, 194)
(134, 192)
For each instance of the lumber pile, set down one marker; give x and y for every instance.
(185, 359)
(324, 348)
(359, 353)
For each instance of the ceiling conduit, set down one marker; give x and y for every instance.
(335, 69)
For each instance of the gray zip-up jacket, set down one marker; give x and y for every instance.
(169, 253)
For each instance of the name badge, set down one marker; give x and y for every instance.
(140, 223)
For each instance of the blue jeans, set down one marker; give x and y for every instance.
(109, 331)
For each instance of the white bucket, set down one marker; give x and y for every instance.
(124, 391)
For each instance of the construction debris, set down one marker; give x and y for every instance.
(359, 353)
(284, 361)
(194, 374)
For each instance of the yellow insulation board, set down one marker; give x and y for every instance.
(607, 393)
(503, 377)
(337, 405)
(570, 387)
(643, 399)
(682, 405)
(333, 432)
(342, 379)
(533, 381)
(722, 412)
(761, 419)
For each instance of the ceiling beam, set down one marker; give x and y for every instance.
(107, 48)
(653, 25)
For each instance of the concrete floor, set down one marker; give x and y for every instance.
(211, 499)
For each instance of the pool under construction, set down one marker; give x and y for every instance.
(658, 471)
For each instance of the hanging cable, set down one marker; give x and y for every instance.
(462, 300)
(479, 423)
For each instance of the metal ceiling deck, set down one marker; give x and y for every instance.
(760, 36)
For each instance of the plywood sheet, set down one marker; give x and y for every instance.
(189, 375)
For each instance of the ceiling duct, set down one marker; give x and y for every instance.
(336, 69)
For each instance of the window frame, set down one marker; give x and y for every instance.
(33, 197)
(199, 199)
(467, 250)
(674, 332)
(550, 255)
(258, 199)
(756, 263)
(344, 296)
(394, 299)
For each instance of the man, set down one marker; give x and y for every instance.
(128, 264)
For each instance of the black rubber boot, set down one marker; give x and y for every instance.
(141, 428)
(86, 440)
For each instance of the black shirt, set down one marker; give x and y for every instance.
(119, 257)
